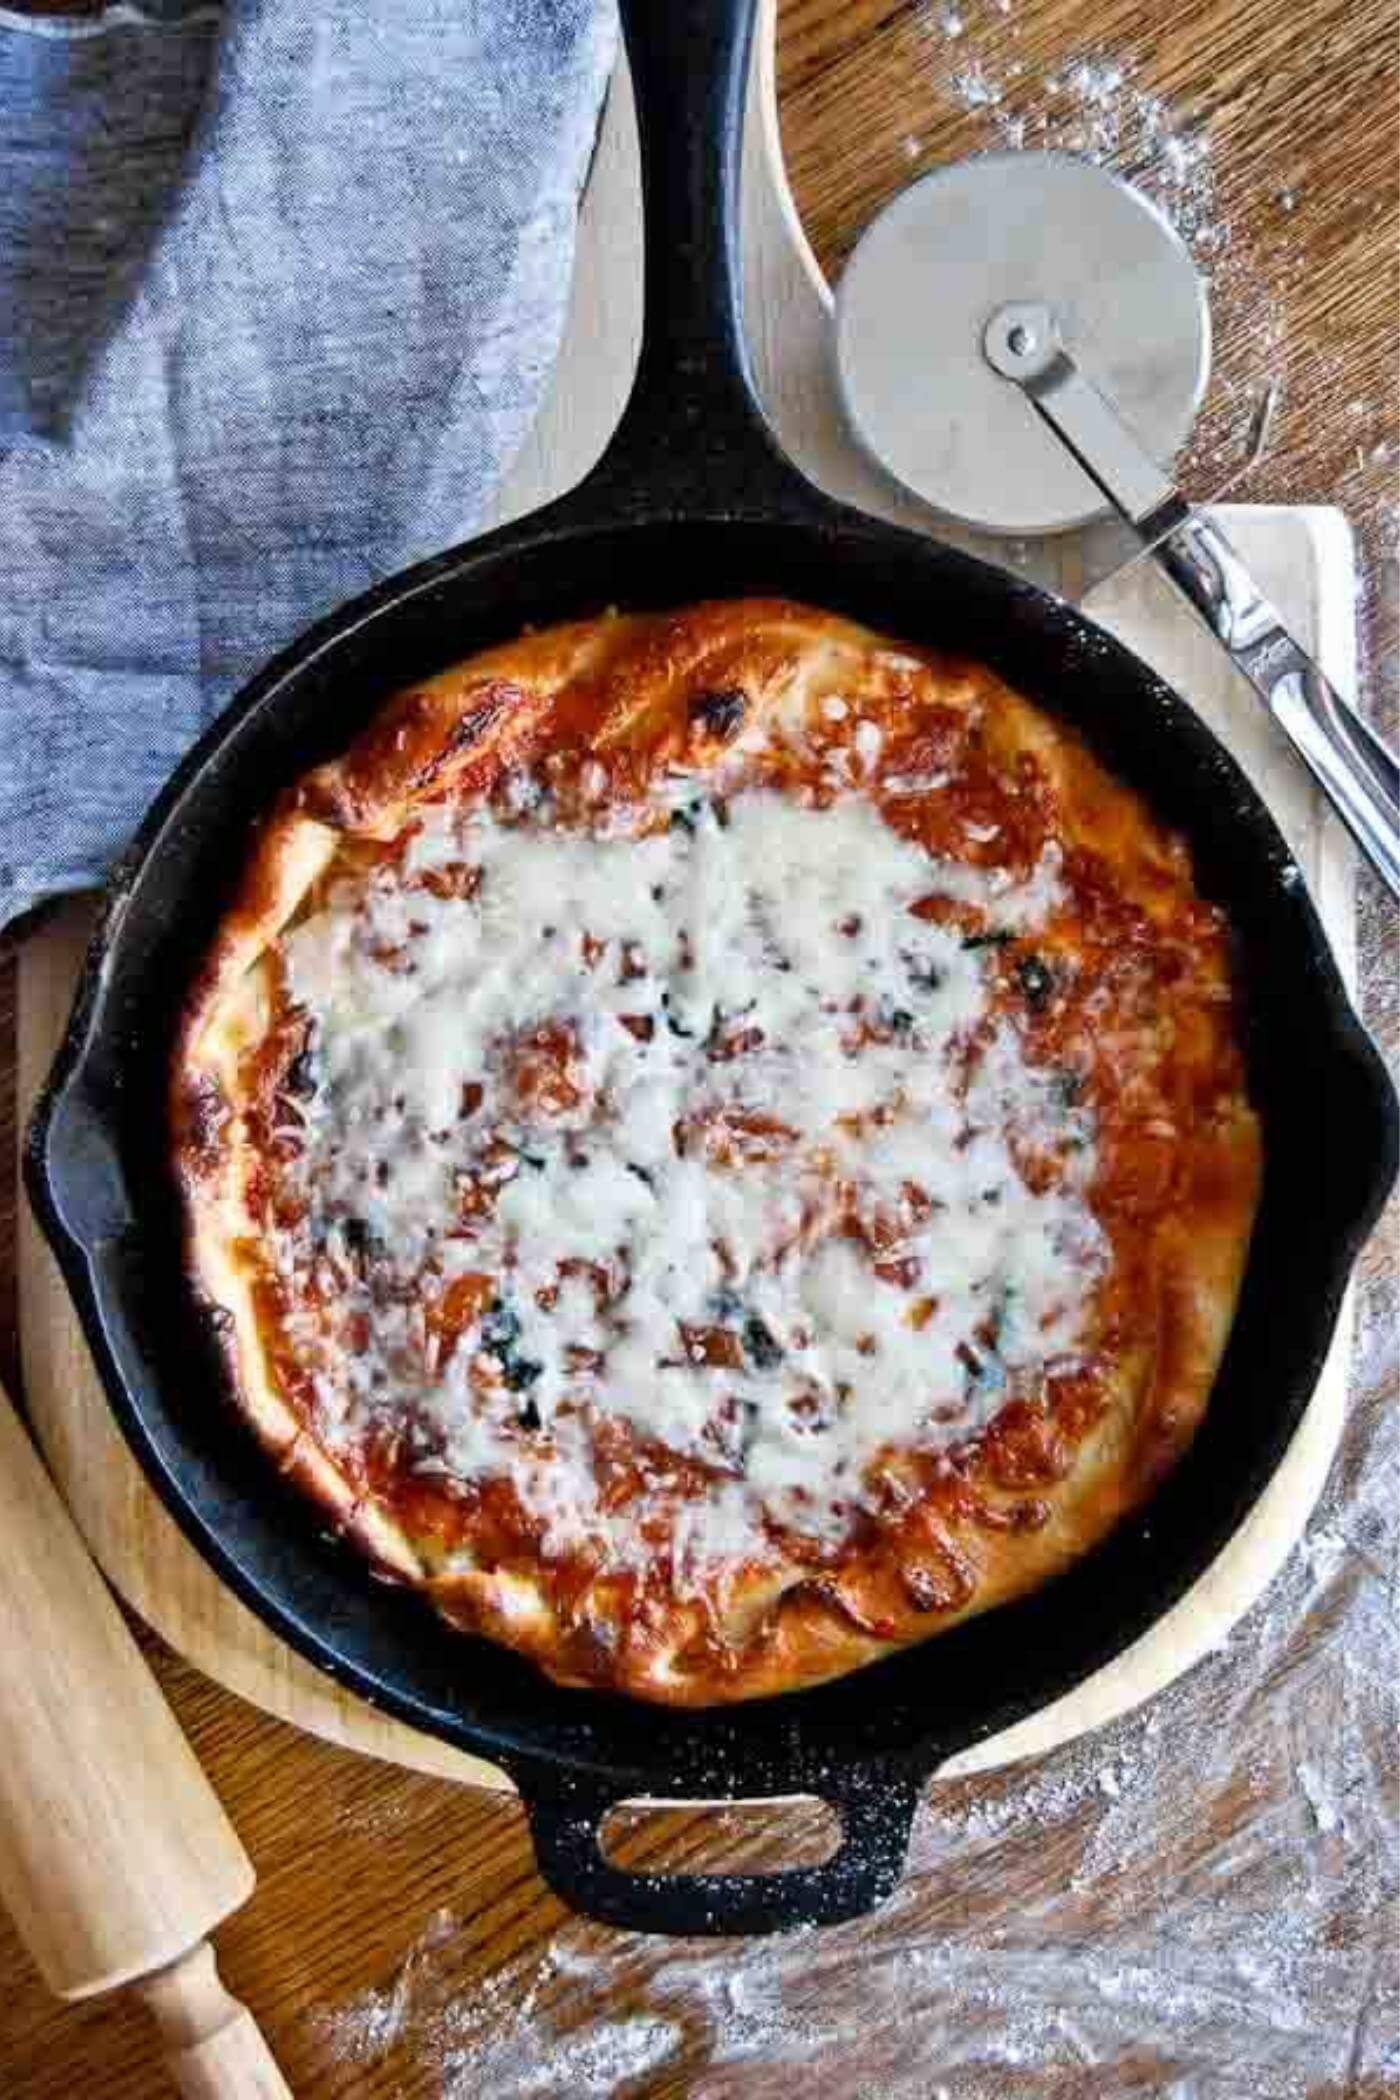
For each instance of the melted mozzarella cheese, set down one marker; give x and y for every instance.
(772, 1067)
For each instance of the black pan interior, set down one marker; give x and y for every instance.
(99, 1172)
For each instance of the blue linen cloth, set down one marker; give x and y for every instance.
(280, 288)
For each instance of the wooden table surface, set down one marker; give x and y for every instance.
(400, 1943)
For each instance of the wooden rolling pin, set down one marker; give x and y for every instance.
(116, 1859)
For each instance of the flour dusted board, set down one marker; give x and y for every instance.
(1302, 557)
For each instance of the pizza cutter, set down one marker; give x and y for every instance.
(1023, 341)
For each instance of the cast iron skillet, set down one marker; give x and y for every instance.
(693, 499)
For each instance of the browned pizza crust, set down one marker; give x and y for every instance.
(1147, 1027)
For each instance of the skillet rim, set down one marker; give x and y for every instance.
(85, 1051)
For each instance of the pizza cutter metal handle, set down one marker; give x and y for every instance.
(1355, 769)
(567, 1810)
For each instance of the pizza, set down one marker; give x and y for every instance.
(715, 1145)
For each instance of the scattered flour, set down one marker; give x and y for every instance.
(1094, 106)
(1102, 106)
(597, 2063)
(1318, 1797)
(1170, 1907)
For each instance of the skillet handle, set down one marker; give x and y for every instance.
(566, 1811)
(692, 427)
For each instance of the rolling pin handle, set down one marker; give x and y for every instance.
(213, 2046)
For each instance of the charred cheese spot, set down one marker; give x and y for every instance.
(201, 1114)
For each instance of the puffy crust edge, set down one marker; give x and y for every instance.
(432, 739)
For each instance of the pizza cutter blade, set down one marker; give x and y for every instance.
(969, 238)
(1023, 341)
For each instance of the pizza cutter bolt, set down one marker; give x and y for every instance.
(1358, 773)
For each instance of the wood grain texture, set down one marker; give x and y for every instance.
(213, 2047)
(1294, 109)
(115, 1856)
(358, 1863)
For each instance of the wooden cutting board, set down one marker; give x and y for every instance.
(1303, 558)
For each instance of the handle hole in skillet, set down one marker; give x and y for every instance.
(723, 1837)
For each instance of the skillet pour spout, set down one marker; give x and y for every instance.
(694, 499)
